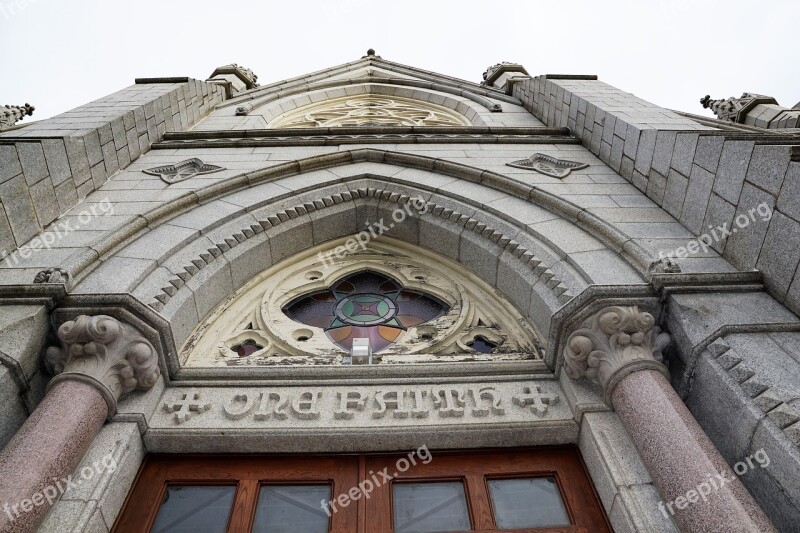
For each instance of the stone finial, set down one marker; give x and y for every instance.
(502, 75)
(234, 79)
(613, 343)
(11, 114)
(371, 54)
(735, 109)
(106, 353)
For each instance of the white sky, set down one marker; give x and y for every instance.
(59, 55)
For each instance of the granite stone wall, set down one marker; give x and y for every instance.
(47, 167)
(704, 177)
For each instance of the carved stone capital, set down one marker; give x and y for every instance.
(613, 343)
(106, 353)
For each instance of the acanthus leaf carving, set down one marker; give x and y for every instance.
(102, 351)
(614, 342)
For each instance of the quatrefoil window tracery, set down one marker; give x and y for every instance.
(365, 304)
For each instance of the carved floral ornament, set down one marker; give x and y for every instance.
(370, 110)
(548, 165)
(106, 353)
(414, 306)
(612, 343)
(182, 171)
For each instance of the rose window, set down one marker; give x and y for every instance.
(365, 305)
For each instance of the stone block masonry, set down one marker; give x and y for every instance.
(701, 175)
(47, 167)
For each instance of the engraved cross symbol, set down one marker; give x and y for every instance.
(186, 406)
(538, 400)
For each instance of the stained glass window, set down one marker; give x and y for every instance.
(365, 304)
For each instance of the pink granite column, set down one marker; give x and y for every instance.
(620, 348)
(693, 479)
(48, 446)
(100, 360)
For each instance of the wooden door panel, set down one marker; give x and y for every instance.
(372, 510)
(247, 472)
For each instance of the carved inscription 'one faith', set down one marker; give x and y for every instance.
(443, 401)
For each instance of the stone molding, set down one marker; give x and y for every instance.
(772, 401)
(613, 343)
(480, 95)
(106, 353)
(641, 258)
(544, 273)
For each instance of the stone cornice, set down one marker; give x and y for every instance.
(105, 353)
(336, 136)
(613, 343)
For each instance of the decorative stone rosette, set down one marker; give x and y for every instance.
(613, 343)
(106, 353)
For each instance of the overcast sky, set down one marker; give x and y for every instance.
(59, 55)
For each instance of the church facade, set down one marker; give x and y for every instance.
(378, 298)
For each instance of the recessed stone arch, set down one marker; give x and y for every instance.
(281, 210)
(468, 105)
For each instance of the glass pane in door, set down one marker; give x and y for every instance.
(531, 502)
(292, 509)
(194, 509)
(430, 507)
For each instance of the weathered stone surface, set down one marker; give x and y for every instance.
(745, 245)
(675, 193)
(725, 412)
(19, 209)
(684, 152)
(13, 413)
(768, 167)
(781, 254)
(777, 486)
(732, 169)
(709, 148)
(789, 198)
(33, 162)
(696, 202)
(9, 162)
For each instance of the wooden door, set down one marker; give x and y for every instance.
(542, 490)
